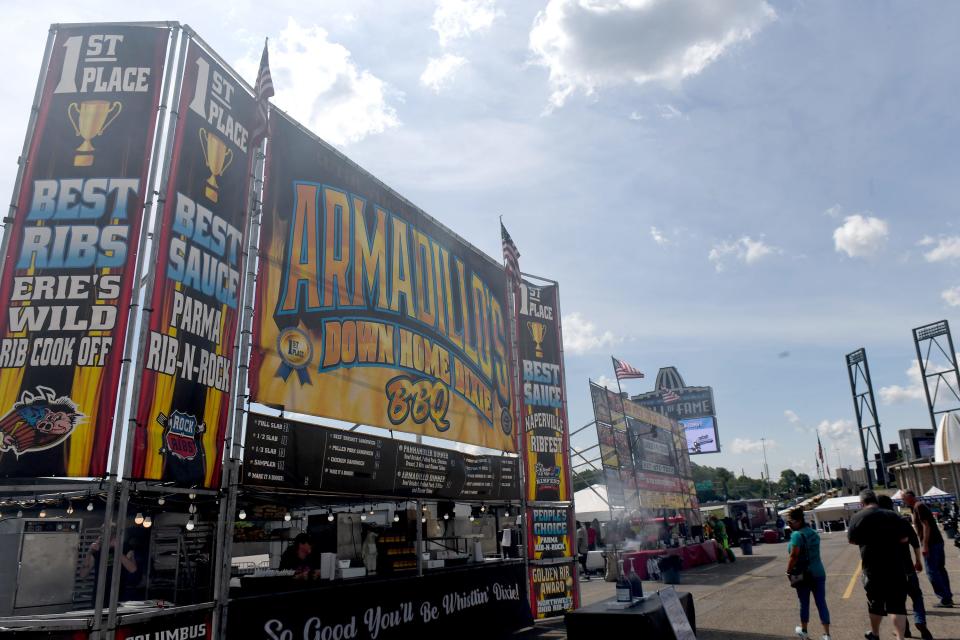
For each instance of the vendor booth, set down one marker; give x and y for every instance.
(277, 399)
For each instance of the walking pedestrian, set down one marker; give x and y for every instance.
(911, 565)
(880, 535)
(583, 546)
(804, 551)
(931, 544)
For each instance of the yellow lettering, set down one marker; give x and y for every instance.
(336, 248)
(302, 252)
(370, 257)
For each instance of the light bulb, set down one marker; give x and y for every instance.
(43, 513)
(396, 518)
(287, 517)
(506, 513)
(147, 522)
(161, 501)
(483, 508)
(192, 508)
(446, 516)
(371, 511)
(193, 496)
(329, 517)
(19, 513)
(424, 508)
(190, 524)
(423, 519)
(138, 519)
(363, 516)
(69, 508)
(470, 518)
(242, 515)
(90, 506)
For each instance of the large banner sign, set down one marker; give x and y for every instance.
(479, 601)
(189, 347)
(69, 267)
(544, 418)
(701, 435)
(646, 452)
(369, 310)
(672, 398)
(294, 455)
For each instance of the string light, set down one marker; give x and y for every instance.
(43, 513)
(192, 508)
(423, 519)
(470, 518)
(190, 524)
(193, 496)
(161, 501)
(287, 517)
(506, 513)
(138, 519)
(330, 517)
(19, 513)
(90, 506)
(69, 508)
(446, 516)
(371, 510)
(147, 522)
(242, 515)
(396, 518)
(483, 508)
(363, 516)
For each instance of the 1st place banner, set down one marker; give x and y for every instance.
(71, 258)
(544, 416)
(369, 310)
(189, 348)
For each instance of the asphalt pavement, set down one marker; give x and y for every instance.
(750, 599)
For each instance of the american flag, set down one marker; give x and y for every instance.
(511, 259)
(624, 371)
(819, 448)
(669, 395)
(264, 91)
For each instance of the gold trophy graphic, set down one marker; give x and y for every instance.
(89, 119)
(218, 157)
(537, 331)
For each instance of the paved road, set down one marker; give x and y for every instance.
(751, 599)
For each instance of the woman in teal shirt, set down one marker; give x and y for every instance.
(804, 550)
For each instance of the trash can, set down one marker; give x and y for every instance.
(746, 546)
(670, 569)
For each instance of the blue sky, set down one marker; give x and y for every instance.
(713, 183)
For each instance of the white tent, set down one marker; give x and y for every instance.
(935, 494)
(946, 446)
(839, 508)
(591, 503)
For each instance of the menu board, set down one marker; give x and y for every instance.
(296, 455)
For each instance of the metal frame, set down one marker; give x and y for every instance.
(930, 335)
(124, 430)
(858, 371)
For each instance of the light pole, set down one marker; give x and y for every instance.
(766, 467)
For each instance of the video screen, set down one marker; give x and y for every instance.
(701, 435)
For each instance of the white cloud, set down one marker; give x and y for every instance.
(455, 19)
(951, 296)
(947, 248)
(837, 429)
(745, 249)
(669, 112)
(441, 71)
(605, 381)
(582, 336)
(659, 237)
(587, 45)
(834, 211)
(860, 236)
(791, 416)
(895, 393)
(746, 445)
(319, 84)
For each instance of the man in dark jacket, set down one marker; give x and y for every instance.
(881, 535)
(911, 565)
